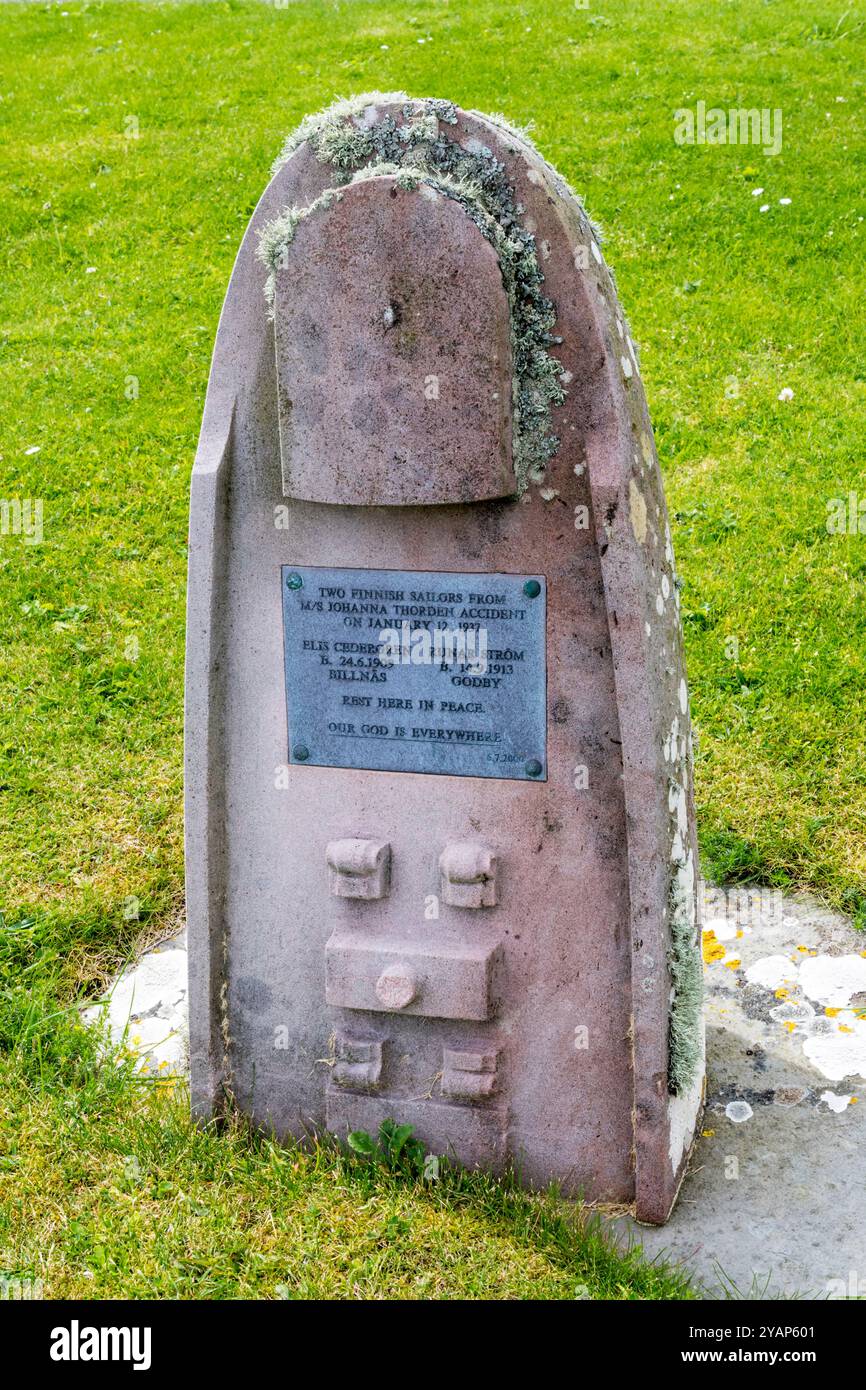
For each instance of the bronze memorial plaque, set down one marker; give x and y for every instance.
(398, 671)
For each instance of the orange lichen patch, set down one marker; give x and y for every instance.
(712, 949)
(739, 932)
(783, 993)
(707, 1133)
(831, 1013)
(844, 1028)
(853, 1100)
(806, 951)
(732, 963)
(790, 1027)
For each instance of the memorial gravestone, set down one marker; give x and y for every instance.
(441, 863)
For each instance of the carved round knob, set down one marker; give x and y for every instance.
(396, 986)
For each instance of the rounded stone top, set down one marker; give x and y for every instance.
(393, 352)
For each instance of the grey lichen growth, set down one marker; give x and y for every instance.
(343, 144)
(354, 136)
(519, 133)
(276, 237)
(687, 981)
(312, 127)
(377, 171)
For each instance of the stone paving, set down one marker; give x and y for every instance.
(774, 1201)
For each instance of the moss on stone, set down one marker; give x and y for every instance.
(519, 133)
(687, 982)
(312, 127)
(276, 237)
(343, 144)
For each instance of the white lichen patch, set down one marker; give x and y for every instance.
(738, 1111)
(835, 1102)
(839, 1054)
(722, 928)
(833, 980)
(671, 743)
(772, 972)
(677, 805)
(796, 1011)
(683, 1111)
(637, 511)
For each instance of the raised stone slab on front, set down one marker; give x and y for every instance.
(451, 886)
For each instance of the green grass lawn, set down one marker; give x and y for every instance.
(111, 1193)
(136, 140)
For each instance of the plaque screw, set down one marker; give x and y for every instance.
(301, 752)
(294, 581)
(533, 768)
(532, 589)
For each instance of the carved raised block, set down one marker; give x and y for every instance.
(436, 981)
(468, 1075)
(468, 875)
(358, 1063)
(359, 868)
